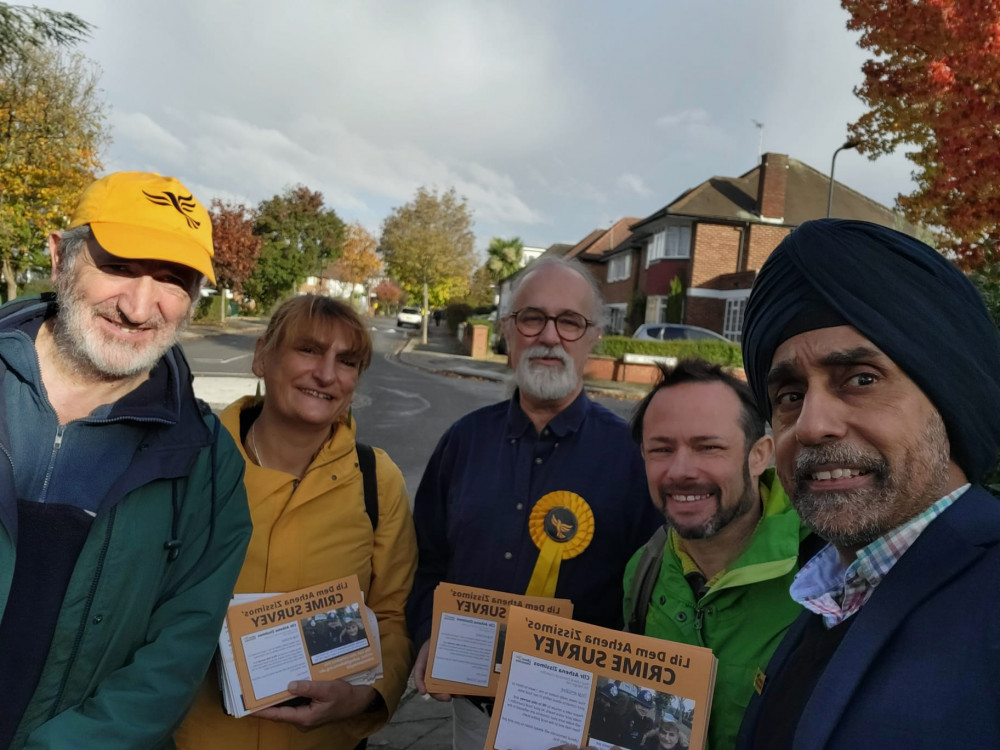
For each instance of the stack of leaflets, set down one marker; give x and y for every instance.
(467, 636)
(324, 632)
(566, 682)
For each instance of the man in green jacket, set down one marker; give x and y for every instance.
(123, 517)
(717, 575)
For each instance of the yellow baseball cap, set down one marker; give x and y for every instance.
(146, 216)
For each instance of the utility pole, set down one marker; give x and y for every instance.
(851, 143)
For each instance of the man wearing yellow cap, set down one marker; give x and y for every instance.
(123, 518)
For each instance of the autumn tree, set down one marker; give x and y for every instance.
(933, 85)
(387, 294)
(503, 257)
(299, 237)
(359, 263)
(51, 133)
(427, 246)
(236, 246)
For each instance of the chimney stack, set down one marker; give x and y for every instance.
(771, 186)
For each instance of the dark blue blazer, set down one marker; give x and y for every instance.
(920, 666)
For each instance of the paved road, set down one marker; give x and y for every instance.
(405, 410)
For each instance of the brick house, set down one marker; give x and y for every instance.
(714, 238)
(615, 276)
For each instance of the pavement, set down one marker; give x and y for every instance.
(420, 723)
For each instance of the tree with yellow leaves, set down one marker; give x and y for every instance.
(51, 133)
(359, 263)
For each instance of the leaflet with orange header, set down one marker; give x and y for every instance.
(568, 683)
(467, 637)
(323, 632)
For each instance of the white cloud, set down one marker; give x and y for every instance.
(684, 120)
(140, 128)
(633, 182)
(540, 114)
(327, 156)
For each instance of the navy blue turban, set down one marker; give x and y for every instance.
(904, 297)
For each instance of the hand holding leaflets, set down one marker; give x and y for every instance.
(329, 700)
(321, 640)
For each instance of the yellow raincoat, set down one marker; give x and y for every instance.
(306, 532)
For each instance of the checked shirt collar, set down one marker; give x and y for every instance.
(826, 587)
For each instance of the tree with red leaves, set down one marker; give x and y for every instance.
(934, 85)
(236, 246)
(388, 295)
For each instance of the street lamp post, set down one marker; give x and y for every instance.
(833, 162)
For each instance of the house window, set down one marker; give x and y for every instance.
(656, 308)
(614, 315)
(732, 328)
(620, 268)
(673, 242)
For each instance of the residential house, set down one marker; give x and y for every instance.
(614, 275)
(329, 285)
(528, 256)
(714, 238)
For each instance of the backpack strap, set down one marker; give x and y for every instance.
(640, 589)
(366, 462)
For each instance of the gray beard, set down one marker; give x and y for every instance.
(866, 508)
(84, 354)
(546, 383)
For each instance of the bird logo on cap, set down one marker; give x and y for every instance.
(184, 204)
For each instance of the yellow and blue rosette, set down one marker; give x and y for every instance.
(561, 525)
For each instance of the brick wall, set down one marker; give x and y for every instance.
(763, 240)
(477, 341)
(620, 291)
(716, 252)
(656, 279)
(705, 312)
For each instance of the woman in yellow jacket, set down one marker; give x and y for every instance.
(310, 525)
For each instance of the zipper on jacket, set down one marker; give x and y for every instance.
(699, 619)
(60, 431)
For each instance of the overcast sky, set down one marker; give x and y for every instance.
(551, 118)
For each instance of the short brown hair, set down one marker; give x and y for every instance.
(696, 370)
(299, 313)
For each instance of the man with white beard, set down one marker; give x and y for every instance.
(547, 459)
(123, 517)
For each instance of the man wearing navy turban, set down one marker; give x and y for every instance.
(880, 369)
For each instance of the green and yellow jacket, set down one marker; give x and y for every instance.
(743, 615)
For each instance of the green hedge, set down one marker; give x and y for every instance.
(714, 351)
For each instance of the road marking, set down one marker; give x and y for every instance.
(424, 403)
(220, 361)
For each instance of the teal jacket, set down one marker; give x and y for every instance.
(744, 615)
(140, 621)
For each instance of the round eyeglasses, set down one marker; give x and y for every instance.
(530, 321)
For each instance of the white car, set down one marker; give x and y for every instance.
(674, 331)
(408, 316)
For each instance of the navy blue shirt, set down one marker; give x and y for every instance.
(488, 470)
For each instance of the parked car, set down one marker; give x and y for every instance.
(674, 331)
(408, 316)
